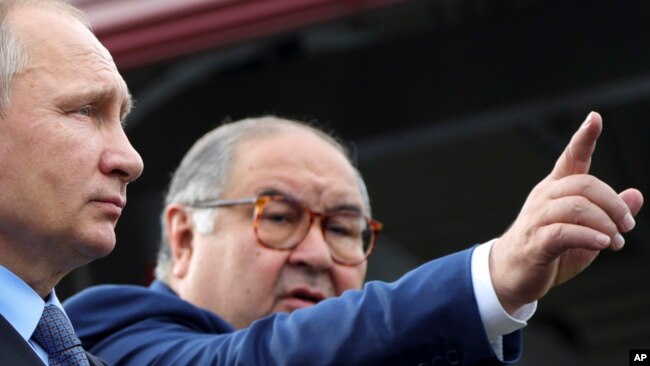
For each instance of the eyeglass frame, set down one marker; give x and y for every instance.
(259, 201)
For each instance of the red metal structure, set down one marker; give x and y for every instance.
(147, 31)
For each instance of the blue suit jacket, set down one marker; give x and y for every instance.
(428, 317)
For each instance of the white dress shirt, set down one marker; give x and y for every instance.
(496, 321)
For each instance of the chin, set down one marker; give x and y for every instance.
(92, 252)
(103, 250)
(96, 246)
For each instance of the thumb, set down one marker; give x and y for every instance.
(576, 158)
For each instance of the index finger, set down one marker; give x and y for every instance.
(576, 158)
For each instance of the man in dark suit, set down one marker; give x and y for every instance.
(65, 164)
(266, 233)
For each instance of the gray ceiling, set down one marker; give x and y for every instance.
(455, 109)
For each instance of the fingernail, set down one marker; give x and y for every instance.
(619, 241)
(587, 121)
(602, 240)
(628, 222)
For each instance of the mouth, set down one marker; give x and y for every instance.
(306, 296)
(110, 206)
(115, 201)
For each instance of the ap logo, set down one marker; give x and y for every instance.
(639, 357)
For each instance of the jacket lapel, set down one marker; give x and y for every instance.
(14, 349)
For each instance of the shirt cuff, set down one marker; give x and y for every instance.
(496, 321)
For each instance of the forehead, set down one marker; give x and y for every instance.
(295, 162)
(51, 35)
(65, 55)
(42, 25)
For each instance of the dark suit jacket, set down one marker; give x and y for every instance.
(15, 351)
(428, 317)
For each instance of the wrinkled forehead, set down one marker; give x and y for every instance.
(299, 163)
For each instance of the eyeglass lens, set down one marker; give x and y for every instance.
(283, 224)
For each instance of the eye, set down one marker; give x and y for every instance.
(281, 213)
(86, 111)
(339, 230)
(280, 217)
(344, 225)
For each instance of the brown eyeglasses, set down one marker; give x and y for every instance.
(282, 223)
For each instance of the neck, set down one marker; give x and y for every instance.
(38, 274)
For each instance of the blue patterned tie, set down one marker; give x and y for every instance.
(55, 334)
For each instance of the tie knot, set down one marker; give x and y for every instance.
(56, 335)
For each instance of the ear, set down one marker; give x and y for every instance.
(180, 234)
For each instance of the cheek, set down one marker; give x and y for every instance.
(347, 278)
(72, 179)
(247, 271)
(265, 268)
(264, 276)
(65, 148)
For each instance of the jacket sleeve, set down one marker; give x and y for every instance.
(428, 317)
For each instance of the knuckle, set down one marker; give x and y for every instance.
(587, 182)
(558, 232)
(551, 233)
(579, 204)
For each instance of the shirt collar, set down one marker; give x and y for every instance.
(20, 304)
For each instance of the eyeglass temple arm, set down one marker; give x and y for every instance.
(221, 203)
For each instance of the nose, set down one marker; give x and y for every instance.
(313, 251)
(120, 158)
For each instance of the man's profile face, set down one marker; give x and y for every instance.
(64, 156)
(234, 276)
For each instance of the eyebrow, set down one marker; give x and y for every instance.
(339, 207)
(127, 106)
(103, 95)
(346, 207)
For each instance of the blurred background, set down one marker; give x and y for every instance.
(455, 109)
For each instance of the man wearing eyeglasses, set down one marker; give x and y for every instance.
(267, 224)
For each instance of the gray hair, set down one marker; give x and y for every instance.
(14, 57)
(204, 171)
